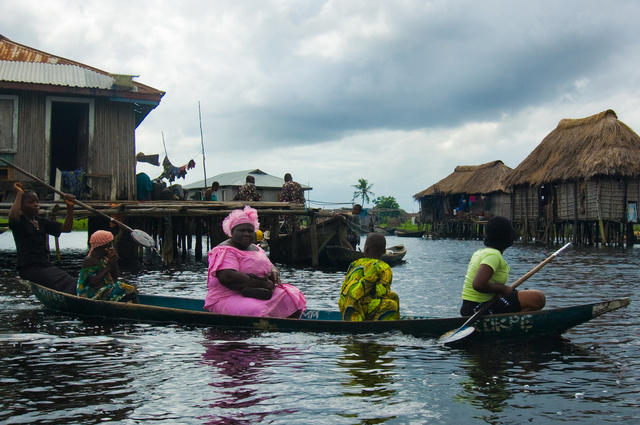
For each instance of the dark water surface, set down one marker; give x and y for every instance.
(57, 369)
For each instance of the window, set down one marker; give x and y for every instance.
(8, 124)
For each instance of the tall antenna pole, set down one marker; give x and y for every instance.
(204, 167)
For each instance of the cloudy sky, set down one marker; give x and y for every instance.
(396, 92)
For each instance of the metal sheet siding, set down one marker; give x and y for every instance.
(60, 75)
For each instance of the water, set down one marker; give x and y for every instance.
(62, 369)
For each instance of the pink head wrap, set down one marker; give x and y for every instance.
(100, 238)
(248, 215)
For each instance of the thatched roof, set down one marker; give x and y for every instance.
(470, 179)
(599, 145)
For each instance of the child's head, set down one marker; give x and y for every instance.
(356, 209)
(499, 233)
(375, 245)
(100, 239)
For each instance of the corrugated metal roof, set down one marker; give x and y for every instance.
(54, 74)
(238, 178)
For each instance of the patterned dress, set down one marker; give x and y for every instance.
(248, 192)
(366, 292)
(110, 289)
(292, 192)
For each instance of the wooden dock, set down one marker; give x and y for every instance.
(179, 227)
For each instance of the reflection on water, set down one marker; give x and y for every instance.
(241, 365)
(371, 370)
(56, 368)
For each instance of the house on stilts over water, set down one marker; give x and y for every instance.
(582, 183)
(58, 114)
(458, 205)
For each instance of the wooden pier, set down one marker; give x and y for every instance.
(179, 227)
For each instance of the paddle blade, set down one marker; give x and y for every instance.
(143, 238)
(456, 335)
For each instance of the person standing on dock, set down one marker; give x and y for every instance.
(291, 192)
(248, 192)
(31, 233)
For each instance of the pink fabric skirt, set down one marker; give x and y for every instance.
(285, 301)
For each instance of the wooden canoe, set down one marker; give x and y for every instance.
(408, 234)
(341, 257)
(189, 311)
(298, 247)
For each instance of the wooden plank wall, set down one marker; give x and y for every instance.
(31, 135)
(525, 204)
(113, 151)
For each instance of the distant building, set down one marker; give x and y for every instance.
(481, 186)
(268, 186)
(59, 114)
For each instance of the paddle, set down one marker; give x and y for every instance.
(466, 329)
(138, 236)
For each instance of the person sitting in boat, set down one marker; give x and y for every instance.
(30, 233)
(488, 273)
(241, 280)
(99, 274)
(366, 291)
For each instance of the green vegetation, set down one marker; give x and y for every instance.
(386, 207)
(363, 191)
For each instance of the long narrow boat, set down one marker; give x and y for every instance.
(189, 311)
(409, 234)
(342, 257)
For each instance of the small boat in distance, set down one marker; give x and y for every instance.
(189, 311)
(409, 234)
(341, 257)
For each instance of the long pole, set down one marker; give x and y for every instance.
(204, 167)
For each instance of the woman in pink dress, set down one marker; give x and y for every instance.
(241, 279)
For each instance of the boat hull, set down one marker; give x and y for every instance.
(298, 247)
(342, 257)
(189, 311)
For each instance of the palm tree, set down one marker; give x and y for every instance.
(364, 190)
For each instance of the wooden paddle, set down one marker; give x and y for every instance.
(138, 236)
(466, 329)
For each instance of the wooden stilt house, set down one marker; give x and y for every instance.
(57, 114)
(582, 182)
(480, 187)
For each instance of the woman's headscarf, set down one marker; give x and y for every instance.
(100, 238)
(247, 215)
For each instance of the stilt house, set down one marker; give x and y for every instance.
(481, 186)
(57, 114)
(583, 178)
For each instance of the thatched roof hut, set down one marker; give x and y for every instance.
(482, 185)
(470, 179)
(585, 172)
(579, 149)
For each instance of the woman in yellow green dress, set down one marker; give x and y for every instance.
(366, 291)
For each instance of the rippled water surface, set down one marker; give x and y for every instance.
(58, 369)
